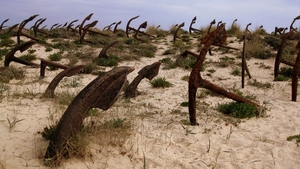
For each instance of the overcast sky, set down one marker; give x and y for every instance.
(269, 13)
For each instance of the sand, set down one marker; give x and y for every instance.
(158, 138)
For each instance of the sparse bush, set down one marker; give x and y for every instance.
(111, 61)
(160, 82)
(28, 57)
(258, 84)
(236, 72)
(55, 56)
(11, 73)
(238, 110)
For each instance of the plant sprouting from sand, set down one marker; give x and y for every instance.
(13, 123)
(160, 82)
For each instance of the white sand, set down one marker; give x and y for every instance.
(160, 136)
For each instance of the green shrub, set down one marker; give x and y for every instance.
(160, 82)
(28, 57)
(3, 52)
(258, 84)
(236, 72)
(55, 56)
(111, 61)
(11, 73)
(238, 110)
(5, 40)
(117, 124)
(294, 137)
(273, 41)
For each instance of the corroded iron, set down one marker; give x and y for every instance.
(82, 23)
(101, 93)
(149, 72)
(191, 26)
(176, 31)
(85, 29)
(210, 25)
(103, 53)
(108, 28)
(45, 63)
(37, 25)
(1, 26)
(195, 79)
(71, 24)
(49, 92)
(244, 64)
(143, 25)
(284, 38)
(116, 26)
(22, 25)
(233, 22)
(22, 47)
(128, 28)
(296, 71)
(54, 25)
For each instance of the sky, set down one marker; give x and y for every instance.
(269, 13)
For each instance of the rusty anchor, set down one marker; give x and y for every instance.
(82, 23)
(1, 26)
(108, 28)
(49, 92)
(284, 38)
(85, 29)
(149, 72)
(71, 24)
(244, 64)
(22, 47)
(143, 25)
(195, 79)
(103, 53)
(296, 72)
(101, 93)
(191, 26)
(37, 25)
(54, 25)
(22, 25)
(280, 30)
(45, 63)
(116, 26)
(176, 31)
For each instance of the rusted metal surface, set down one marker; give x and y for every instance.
(37, 25)
(176, 31)
(71, 24)
(129, 28)
(144, 26)
(284, 38)
(82, 23)
(103, 53)
(149, 72)
(191, 26)
(22, 47)
(1, 26)
(116, 26)
(296, 71)
(195, 79)
(45, 63)
(233, 22)
(85, 29)
(49, 92)
(101, 93)
(22, 25)
(108, 28)
(244, 64)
